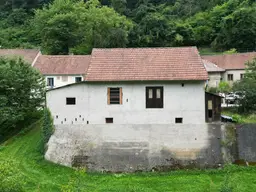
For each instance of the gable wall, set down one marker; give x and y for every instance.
(62, 80)
(91, 104)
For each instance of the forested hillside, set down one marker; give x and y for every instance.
(73, 26)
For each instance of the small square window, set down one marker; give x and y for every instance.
(178, 120)
(70, 100)
(241, 76)
(78, 79)
(109, 120)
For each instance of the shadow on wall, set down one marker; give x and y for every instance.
(132, 148)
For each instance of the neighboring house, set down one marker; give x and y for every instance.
(234, 64)
(135, 86)
(60, 70)
(215, 73)
(29, 55)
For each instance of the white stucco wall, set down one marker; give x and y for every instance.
(236, 75)
(214, 79)
(61, 80)
(187, 102)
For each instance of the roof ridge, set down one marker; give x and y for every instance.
(126, 48)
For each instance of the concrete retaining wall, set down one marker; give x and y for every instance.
(246, 138)
(130, 148)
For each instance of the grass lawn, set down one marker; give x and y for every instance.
(41, 175)
(242, 118)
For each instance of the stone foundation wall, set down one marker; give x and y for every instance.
(130, 148)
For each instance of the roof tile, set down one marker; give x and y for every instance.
(232, 61)
(62, 64)
(128, 64)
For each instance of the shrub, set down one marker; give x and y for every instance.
(10, 178)
(47, 129)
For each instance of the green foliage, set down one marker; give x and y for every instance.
(231, 51)
(43, 176)
(248, 87)
(224, 87)
(212, 89)
(11, 179)
(22, 93)
(66, 26)
(47, 129)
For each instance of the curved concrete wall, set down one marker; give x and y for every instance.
(129, 148)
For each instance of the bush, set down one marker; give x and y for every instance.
(10, 178)
(22, 94)
(47, 129)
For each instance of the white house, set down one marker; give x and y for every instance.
(135, 86)
(60, 70)
(234, 65)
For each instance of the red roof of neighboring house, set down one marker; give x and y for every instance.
(211, 67)
(131, 64)
(29, 55)
(233, 61)
(62, 64)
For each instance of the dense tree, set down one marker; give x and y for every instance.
(21, 93)
(79, 25)
(248, 87)
(66, 26)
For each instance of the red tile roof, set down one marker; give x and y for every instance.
(28, 54)
(211, 67)
(233, 61)
(62, 64)
(128, 64)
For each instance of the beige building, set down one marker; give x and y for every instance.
(233, 65)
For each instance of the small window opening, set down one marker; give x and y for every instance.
(182, 84)
(78, 79)
(87, 122)
(115, 95)
(83, 119)
(178, 120)
(230, 77)
(75, 119)
(65, 119)
(50, 81)
(61, 122)
(109, 120)
(80, 116)
(70, 101)
(57, 116)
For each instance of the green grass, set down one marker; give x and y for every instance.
(41, 175)
(242, 118)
